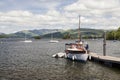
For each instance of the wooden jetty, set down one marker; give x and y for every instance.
(108, 60)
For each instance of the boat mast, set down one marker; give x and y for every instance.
(51, 36)
(25, 36)
(79, 36)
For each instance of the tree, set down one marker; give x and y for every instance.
(118, 34)
(111, 35)
(114, 35)
(37, 37)
(67, 36)
(4, 36)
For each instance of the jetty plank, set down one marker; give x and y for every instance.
(106, 58)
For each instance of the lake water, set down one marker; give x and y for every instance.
(33, 61)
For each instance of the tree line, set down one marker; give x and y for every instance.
(114, 34)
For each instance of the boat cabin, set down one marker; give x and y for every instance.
(75, 48)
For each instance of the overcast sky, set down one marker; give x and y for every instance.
(17, 15)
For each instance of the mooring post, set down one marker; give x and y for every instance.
(104, 44)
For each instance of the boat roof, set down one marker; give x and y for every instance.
(72, 43)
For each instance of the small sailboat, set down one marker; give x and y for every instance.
(27, 40)
(77, 50)
(53, 40)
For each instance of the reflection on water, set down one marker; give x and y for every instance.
(33, 61)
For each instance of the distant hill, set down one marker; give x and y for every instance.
(57, 33)
(32, 33)
(2, 35)
(86, 33)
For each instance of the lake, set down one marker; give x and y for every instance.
(33, 61)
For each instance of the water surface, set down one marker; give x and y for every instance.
(33, 61)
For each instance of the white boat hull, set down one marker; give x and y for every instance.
(79, 57)
(59, 55)
(53, 41)
(27, 41)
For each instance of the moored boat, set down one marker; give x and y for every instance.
(53, 41)
(27, 41)
(77, 50)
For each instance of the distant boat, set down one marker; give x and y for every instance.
(26, 40)
(53, 40)
(114, 40)
(77, 51)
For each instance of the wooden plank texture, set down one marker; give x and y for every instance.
(108, 58)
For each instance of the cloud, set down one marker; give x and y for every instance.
(28, 20)
(102, 4)
(97, 13)
(93, 6)
(18, 15)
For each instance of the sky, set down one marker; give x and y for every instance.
(17, 15)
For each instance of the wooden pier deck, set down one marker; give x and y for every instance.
(112, 61)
